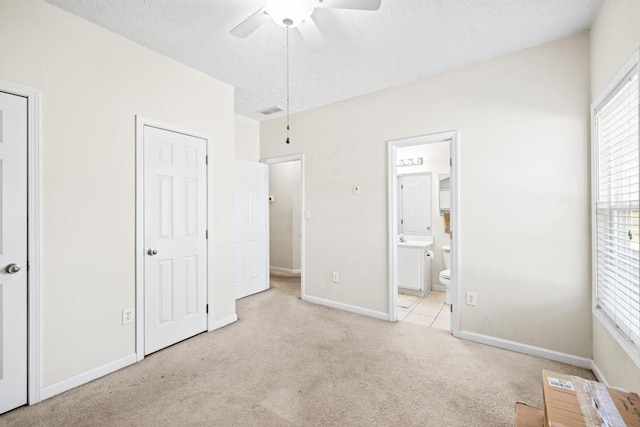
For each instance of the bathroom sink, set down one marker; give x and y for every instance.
(424, 242)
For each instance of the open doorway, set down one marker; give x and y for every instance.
(286, 225)
(422, 220)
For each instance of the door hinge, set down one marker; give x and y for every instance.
(451, 308)
(206, 159)
(206, 234)
(450, 161)
(402, 186)
(402, 221)
(207, 308)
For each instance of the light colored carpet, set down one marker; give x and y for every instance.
(291, 363)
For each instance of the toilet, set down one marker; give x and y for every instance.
(445, 275)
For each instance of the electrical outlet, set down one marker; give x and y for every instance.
(335, 277)
(471, 298)
(127, 315)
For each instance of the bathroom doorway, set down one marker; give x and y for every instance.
(286, 225)
(422, 230)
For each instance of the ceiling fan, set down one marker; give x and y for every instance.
(297, 14)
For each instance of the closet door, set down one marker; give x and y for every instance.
(13, 251)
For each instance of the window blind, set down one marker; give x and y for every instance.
(617, 208)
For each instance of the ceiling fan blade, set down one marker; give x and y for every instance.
(312, 35)
(350, 4)
(249, 25)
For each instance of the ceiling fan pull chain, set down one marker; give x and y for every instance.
(288, 141)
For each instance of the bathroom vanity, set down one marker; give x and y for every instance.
(414, 267)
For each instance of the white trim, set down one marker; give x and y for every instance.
(393, 145)
(598, 373)
(456, 211)
(282, 159)
(34, 354)
(293, 272)
(139, 259)
(438, 287)
(303, 220)
(392, 182)
(347, 307)
(141, 122)
(569, 359)
(632, 352)
(87, 376)
(616, 80)
(223, 322)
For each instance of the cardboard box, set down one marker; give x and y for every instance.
(571, 401)
(528, 416)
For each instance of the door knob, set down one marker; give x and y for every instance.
(13, 268)
(152, 252)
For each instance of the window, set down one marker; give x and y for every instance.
(616, 239)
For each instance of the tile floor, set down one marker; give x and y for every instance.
(428, 311)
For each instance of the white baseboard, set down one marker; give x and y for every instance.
(284, 270)
(581, 362)
(223, 322)
(347, 307)
(441, 288)
(598, 373)
(85, 377)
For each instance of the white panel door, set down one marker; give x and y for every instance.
(416, 204)
(175, 227)
(251, 228)
(13, 251)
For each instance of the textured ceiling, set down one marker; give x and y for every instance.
(367, 51)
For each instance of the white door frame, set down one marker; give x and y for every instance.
(285, 159)
(141, 122)
(34, 355)
(393, 145)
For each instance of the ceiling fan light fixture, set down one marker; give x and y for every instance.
(288, 13)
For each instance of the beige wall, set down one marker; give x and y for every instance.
(411, 152)
(284, 215)
(524, 193)
(615, 35)
(247, 136)
(93, 83)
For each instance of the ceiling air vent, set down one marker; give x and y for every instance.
(271, 110)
